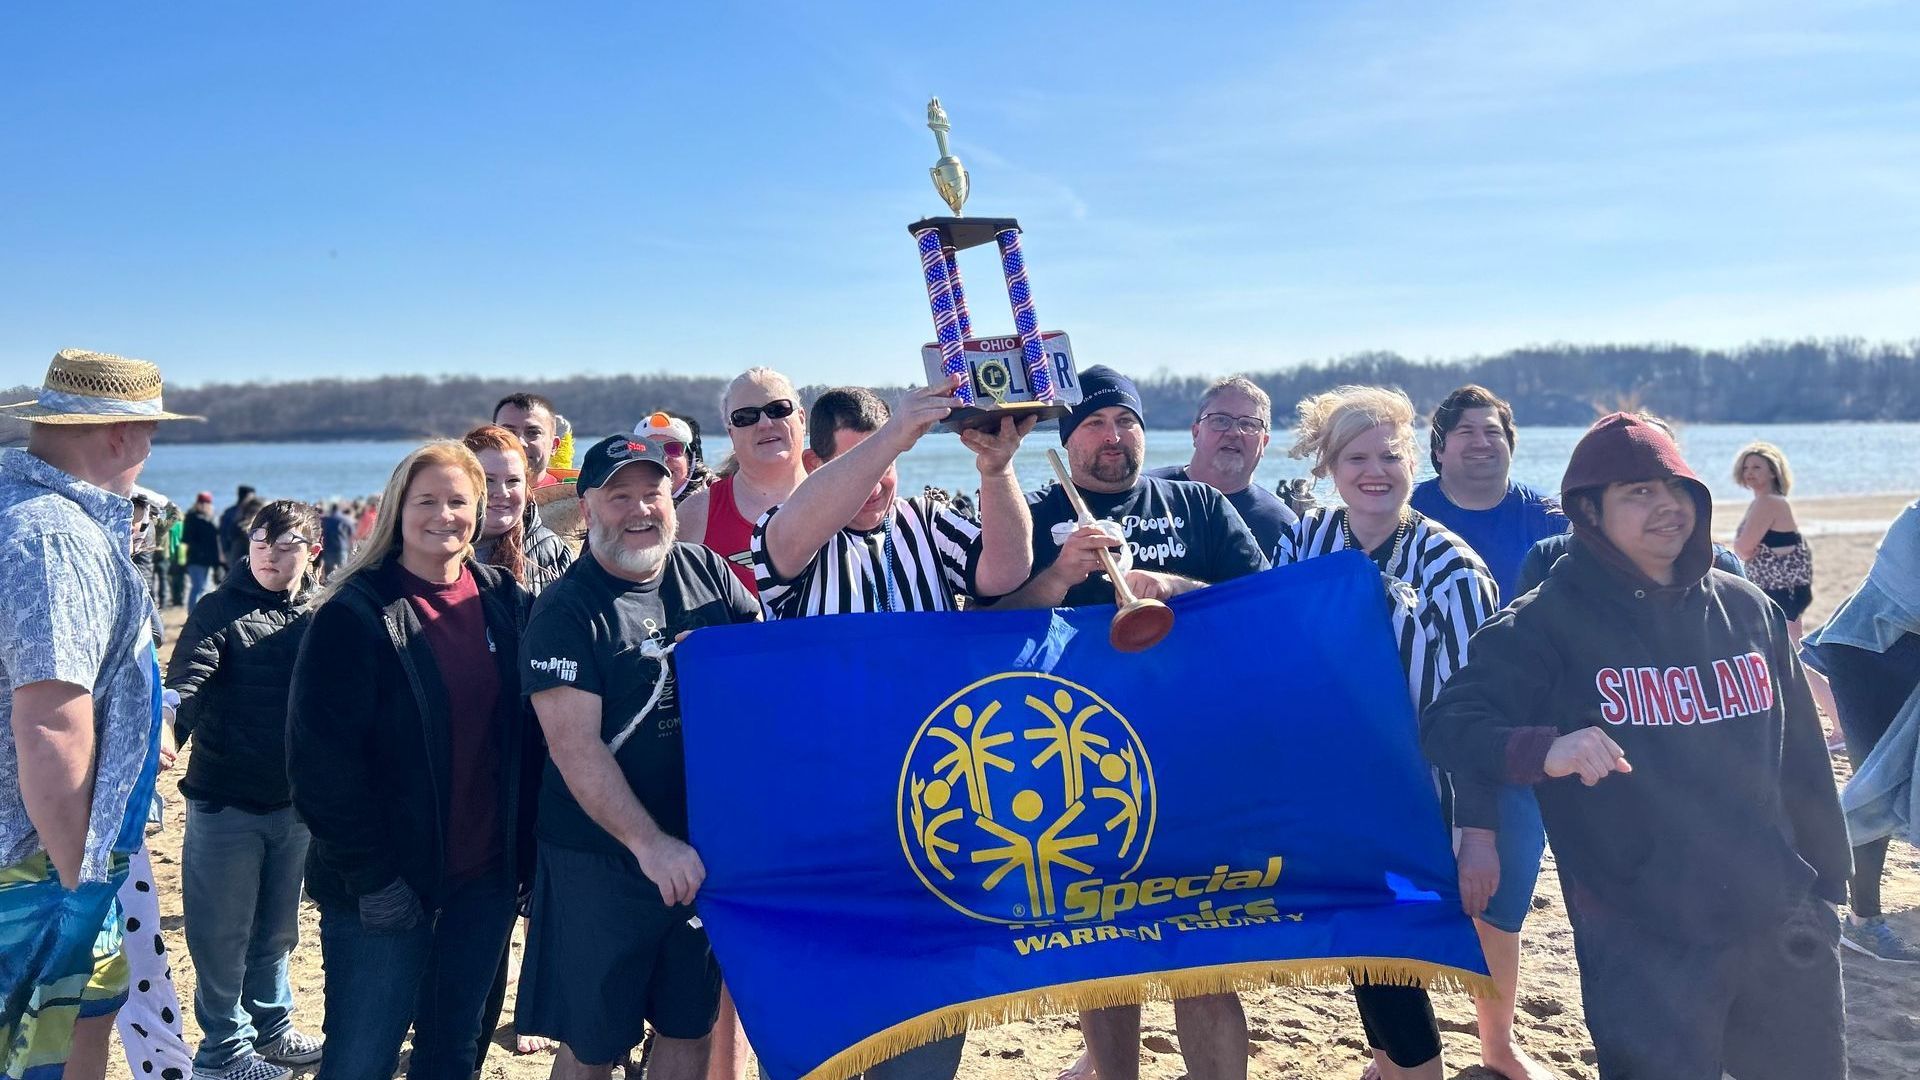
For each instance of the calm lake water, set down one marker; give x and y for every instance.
(1827, 459)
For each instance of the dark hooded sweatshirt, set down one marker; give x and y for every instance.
(1729, 818)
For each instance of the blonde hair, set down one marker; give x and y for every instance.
(766, 375)
(384, 540)
(1329, 421)
(1772, 455)
(772, 379)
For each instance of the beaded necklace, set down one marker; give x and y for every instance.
(1399, 540)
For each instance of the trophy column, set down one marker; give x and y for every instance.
(942, 272)
(1013, 264)
(999, 376)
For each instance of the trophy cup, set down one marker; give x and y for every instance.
(1027, 373)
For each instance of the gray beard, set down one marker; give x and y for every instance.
(606, 540)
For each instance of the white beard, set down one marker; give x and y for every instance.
(607, 539)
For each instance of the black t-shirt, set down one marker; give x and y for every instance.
(599, 633)
(1261, 509)
(1174, 526)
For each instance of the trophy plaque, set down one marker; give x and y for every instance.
(1028, 373)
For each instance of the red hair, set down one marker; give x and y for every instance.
(510, 550)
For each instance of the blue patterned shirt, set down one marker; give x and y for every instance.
(75, 611)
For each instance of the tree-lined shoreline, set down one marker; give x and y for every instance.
(1763, 382)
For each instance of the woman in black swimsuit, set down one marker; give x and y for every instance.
(1778, 558)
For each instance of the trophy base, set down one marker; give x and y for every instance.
(990, 417)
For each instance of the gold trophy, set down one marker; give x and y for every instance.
(1026, 373)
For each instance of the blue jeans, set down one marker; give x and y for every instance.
(240, 892)
(434, 976)
(196, 584)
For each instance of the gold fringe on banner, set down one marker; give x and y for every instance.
(1136, 989)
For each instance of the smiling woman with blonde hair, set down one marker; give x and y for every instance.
(412, 762)
(1438, 592)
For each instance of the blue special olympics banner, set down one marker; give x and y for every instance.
(916, 824)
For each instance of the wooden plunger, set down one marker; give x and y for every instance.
(1141, 622)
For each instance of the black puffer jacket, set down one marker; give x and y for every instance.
(545, 556)
(232, 667)
(368, 744)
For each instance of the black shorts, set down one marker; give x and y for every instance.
(1793, 601)
(605, 957)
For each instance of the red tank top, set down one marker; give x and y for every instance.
(729, 534)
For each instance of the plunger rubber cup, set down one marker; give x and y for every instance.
(1139, 625)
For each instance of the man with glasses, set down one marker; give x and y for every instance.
(1230, 436)
(245, 854)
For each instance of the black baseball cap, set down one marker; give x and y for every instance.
(610, 454)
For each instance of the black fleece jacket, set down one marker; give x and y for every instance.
(367, 739)
(1729, 818)
(232, 667)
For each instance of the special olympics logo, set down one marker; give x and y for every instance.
(1017, 786)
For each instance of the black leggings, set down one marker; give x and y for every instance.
(1399, 1022)
(1869, 688)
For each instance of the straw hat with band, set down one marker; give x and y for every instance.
(95, 388)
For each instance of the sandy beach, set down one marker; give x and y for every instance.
(1316, 1033)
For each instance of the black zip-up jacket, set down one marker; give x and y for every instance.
(232, 667)
(1729, 818)
(367, 743)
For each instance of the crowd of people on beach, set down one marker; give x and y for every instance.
(449, 707)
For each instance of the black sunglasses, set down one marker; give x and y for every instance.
(747, 416)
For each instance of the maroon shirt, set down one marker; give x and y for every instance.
(455, 624)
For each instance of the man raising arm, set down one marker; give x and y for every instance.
(845, 540)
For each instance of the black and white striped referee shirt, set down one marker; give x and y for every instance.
(936, 553)
(1448, 592)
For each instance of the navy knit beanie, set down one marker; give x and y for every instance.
(1101, 387)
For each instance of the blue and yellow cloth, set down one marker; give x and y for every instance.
(915, 824)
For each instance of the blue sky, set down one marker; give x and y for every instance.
(262, 191)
